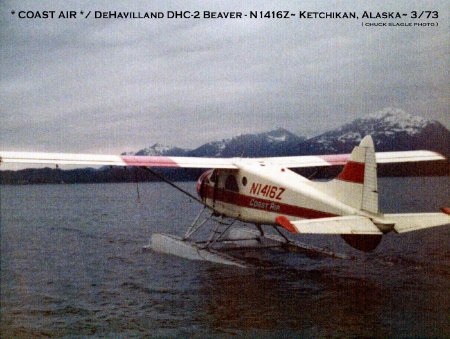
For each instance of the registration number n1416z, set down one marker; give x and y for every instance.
(269, 191)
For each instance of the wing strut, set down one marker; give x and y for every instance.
(161, 177)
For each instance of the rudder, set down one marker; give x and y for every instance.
(356, 185)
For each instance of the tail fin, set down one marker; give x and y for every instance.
(356, 185)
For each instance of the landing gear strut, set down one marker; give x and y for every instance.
(224, 238)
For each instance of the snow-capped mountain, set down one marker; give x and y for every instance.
(392, 130)
(277, 142)
(385, 122)
(158, 149)
(210, 149)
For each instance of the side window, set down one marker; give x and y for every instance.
(231, 184)
(213, 177)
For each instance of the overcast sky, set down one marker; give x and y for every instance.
(105, 85)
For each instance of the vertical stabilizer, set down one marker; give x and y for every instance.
(356, 185)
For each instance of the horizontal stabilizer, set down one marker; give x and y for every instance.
(408, 222)
(334, 225)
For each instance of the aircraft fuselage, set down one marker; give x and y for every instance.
(262, 192)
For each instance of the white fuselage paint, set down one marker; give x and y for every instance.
(265, 191)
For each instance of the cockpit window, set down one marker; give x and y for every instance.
(231, 184)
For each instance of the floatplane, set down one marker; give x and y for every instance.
(266, 191)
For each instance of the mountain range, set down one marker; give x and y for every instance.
(391, 128)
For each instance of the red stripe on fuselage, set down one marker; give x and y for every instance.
(246, 201)
(150, 161)
(352, 172)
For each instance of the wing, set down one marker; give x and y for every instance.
(198, 162)
(408, 222)
(341, 159)
(115, 160)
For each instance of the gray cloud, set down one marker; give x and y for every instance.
(112, 85)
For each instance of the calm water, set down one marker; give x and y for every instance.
(72, 265)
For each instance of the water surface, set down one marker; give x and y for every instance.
(72, 264)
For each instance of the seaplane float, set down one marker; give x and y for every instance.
(266, 191)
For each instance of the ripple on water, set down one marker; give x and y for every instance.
(79, 270)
